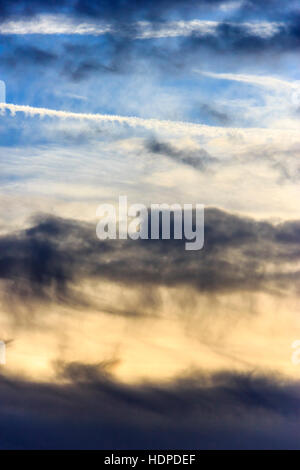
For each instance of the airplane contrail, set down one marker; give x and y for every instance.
(151, 124)
(262, 80)
(131, 121)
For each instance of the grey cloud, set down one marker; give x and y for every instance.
(217, 117)
(201, 160)
(93, 411)
(120, 11)
(28, 55)
(240, 254)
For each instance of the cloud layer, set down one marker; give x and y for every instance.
(240, 254)
(92, 411)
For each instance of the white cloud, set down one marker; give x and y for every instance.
(278, 100)
(260, 80)
(188, 128)
(61, 24)
(52, 24)
(228, 6)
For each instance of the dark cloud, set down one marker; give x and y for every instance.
(74, 62)
(118, 52)
(235, 38)
(28, 55)
(201, 160)
(139, 9)
(214, 115)
(124, 10)
(240, 254)
(285, 162)
(113, 10)
(122, 53)
(35, 263)
(82, 60)
(119, 10)
(93, 411)
(78, 72)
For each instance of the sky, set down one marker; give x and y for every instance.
(140, 344)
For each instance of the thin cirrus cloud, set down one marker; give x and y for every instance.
(60, 24)
(280, 97)
(151, 124)
(264, 81)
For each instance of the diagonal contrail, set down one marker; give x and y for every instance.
(188, 128)
(131, 121)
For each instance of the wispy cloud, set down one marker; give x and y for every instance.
(259, 80)
(61, 24)
(151, 124)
